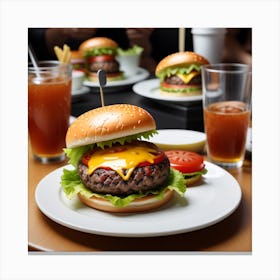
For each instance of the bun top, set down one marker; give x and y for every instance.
(76, 57)
(98, 42)
(76, 54)
(108, 123)
(180, 59)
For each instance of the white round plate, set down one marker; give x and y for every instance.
(128, 80)
(203, 205)
(80, 91)
(170, 139)
(150, 89)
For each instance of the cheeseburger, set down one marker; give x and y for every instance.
(100, 53)
(180, 74)
(115, 170)
(77, 61)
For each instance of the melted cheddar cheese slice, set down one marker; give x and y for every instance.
(127, 159)
(187, 77)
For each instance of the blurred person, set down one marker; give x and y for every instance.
(238, 46)
(69, 36)
(43, 40)
(157, 42)
(142, 38)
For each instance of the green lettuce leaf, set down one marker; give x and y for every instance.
(180, 90)
(131, 51)
(75, 154)
(170, 71)
(72, 185)
(128, 139)
(189, 175)
(100, 51)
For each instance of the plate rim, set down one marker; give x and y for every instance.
(125, 82)
(68, 215)
(181, 130)
(141, 88)
(81, 91)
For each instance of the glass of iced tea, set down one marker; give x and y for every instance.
(227, 110)
(49, 105)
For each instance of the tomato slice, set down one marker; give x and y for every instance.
(86, 157)
(171, 86)
(159, 158)
(101, 58)
(166, 85)
(185, 161)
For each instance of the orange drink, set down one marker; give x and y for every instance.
(49, 105)
(226, 90)
(226, 125)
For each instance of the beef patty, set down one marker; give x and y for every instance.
(108, 66)
(106, 181)
(175, 80)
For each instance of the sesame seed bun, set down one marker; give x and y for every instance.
(76, 55)
(97, 42)
(108, 123)
(180, 59)
(193, 180)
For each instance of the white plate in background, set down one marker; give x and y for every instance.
(180, 139)
(150, 89)
(80, 91)
(142, 74)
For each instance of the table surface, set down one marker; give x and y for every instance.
(233, 234)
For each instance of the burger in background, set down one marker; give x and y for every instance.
(114, 169)
(100, 53)
(180, 74)
(77, 61)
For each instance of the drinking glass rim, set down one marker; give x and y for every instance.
(52, 65)
(222, 67)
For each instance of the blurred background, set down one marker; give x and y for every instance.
(157, 42)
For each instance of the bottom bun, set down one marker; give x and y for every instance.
(191, 181)
(93, 77)
(138, 205)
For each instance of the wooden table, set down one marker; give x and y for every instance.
(234, 234)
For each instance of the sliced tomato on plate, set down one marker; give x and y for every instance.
(185, 161)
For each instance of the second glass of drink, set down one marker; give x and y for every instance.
(226, 106)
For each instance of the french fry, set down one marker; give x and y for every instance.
(58, 52)
(63, 55)
(68, 57)
(65, 51)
